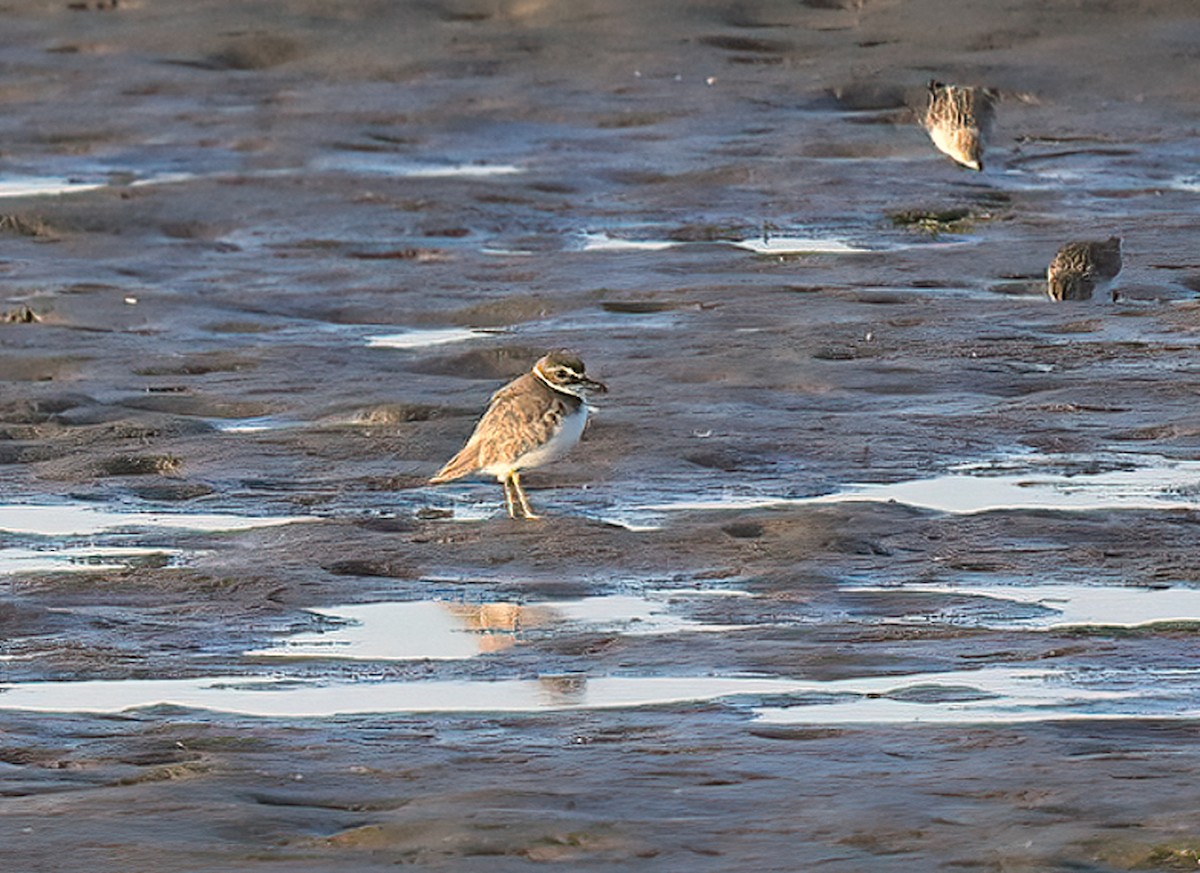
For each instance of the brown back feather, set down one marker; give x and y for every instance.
(516, 421)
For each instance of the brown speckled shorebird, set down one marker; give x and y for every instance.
(532, 420)
(959, 121)
(1081, 268)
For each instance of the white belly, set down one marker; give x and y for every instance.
(557, 446)
(949, 142)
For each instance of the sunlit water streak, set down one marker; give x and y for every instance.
(256, 424)
(37, 186)
(50, 185)
(990, 695)
(390, 165)
(418, 339)
(1171, 485)
(82, 519)
(276, 696)
(768, 244)
(776, 245)
(80, 559)
(1059, 606)
(1158, 484)
(1000, 695)
(1187, 183)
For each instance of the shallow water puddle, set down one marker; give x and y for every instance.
(419, 339)
(1161, 484)
(1000, 695)
(991, 695)
(443, 630)
(1166, 486)
(388, 165)
(1186, 183)
(255, 424)
(773, 245)
(783, 245)
(83, 519)
(418, 630)
(89, 559)
(1058, 606)
(639, 616)
(602, 242)
(288, 697)
(36, 186)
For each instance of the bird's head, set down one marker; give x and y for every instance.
(564, 371)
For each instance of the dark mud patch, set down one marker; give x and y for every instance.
(751, 45)
(254, 51)
(735, 232)
(640, 307)
(512, 309)
(869, 97)
(140, 465)
(182, 401)
(933, 221)
(36, 410)
(172, 492)
(199, 365)
(418, 255)
(506, 362)
(631, 119)
(54, 368)
(388, 414)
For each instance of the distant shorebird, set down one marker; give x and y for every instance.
(959, 121)
(531, 421)
(1081, 268)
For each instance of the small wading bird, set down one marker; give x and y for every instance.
(531, 421)
(959, 121)
(1081, 268)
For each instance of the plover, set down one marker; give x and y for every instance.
(531, 421)
(1081, 268)
(959, 121)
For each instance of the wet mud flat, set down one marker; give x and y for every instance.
(872, 557)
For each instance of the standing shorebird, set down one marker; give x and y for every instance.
(531, 421)
(959, 121)
(1080, 268)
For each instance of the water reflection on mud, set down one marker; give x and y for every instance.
(416, 339)
(448, 630)
(989, 695)
(1054, 606)
(418, 630)
(81, 559)
(83, 519)
(1138, 482)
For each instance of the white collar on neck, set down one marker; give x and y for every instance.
(561, 389)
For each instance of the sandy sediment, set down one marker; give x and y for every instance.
(224, 203)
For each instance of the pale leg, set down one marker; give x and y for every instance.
(525, 508)
(508, 496)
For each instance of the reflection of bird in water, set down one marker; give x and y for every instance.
(498, 624)
(530, 421)
(482, 10)
(564, 688)
(1081, 268)
(959, 121)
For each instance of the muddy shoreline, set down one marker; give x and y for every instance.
(262, 262)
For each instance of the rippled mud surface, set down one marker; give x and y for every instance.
(872, 557)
